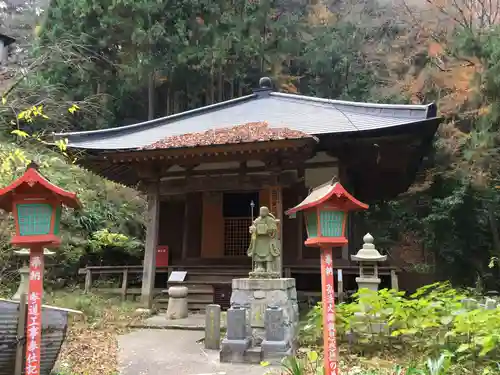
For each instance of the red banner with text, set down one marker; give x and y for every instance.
(34, 322)
(328, 298)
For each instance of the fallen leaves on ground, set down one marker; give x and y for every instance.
(89, 351)
(91, 345)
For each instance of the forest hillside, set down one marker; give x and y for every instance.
(87, 64)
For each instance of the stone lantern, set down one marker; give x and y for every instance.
(368, 258)
(24, 272)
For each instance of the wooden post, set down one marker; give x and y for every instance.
(340, 285)
(88, 281)
(328, 298)
(149, 270)
(34, 321)
(300, 233)
(276, 203)
(124, 284)
(345, 252)
(394, 280)
(185, 235)
(21, 334)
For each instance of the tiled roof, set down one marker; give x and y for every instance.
(251, 132)
(309, 115)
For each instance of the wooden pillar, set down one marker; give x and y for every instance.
(276, 208)
(124, 284)
(88, 281)
(149, 268)
(394, 280)
(345, 250)
(185, 229)
(300, 230)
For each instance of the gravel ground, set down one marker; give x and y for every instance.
(174, 352)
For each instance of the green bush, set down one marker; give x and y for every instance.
(430, 323)
(108, 230)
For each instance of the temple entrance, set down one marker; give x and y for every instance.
(237, 213)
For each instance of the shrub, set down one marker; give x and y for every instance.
(432, 322)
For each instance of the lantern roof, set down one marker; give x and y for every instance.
(34, 184)
(368, 252)
(329, 190)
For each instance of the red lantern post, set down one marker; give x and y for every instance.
(325, 210)
(36, 206)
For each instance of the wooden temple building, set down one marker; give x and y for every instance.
(204, 168)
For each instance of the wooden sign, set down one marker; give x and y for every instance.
(34, 322)
(328, 298)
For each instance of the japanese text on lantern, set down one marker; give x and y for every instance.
(33, 338)
(330, 317)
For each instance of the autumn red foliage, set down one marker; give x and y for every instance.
(251, 132)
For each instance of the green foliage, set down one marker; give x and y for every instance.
(432, 322)
(310, 364)
(102, 239)
(452, 220)
(109, 229)
(96, 308)
(200, 52)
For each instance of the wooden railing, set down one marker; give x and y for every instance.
(203, 270)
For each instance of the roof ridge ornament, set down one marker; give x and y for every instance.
(265, 83)
(265, 87)
(33, 165)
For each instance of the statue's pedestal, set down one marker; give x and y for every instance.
(271, 319)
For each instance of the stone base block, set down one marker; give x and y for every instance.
(275, 346)
(235, 351)
(263, 275)
(275, 351)
(236, 345)
(251, 356)
(256, 295)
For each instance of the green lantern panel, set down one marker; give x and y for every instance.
(34, 219)
(331, 223)
(58, 220)
(312, 224)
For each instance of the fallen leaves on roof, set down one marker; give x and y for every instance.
(251, 132)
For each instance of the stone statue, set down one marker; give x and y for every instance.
(264, 245)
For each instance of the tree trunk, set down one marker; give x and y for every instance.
(494, 231)
(212, 89)
(221, 86)
(168, 100)
(151, 96)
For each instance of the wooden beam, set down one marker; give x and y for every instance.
(236, 182)
(246, 170)
(201, 152)
(152, 226)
